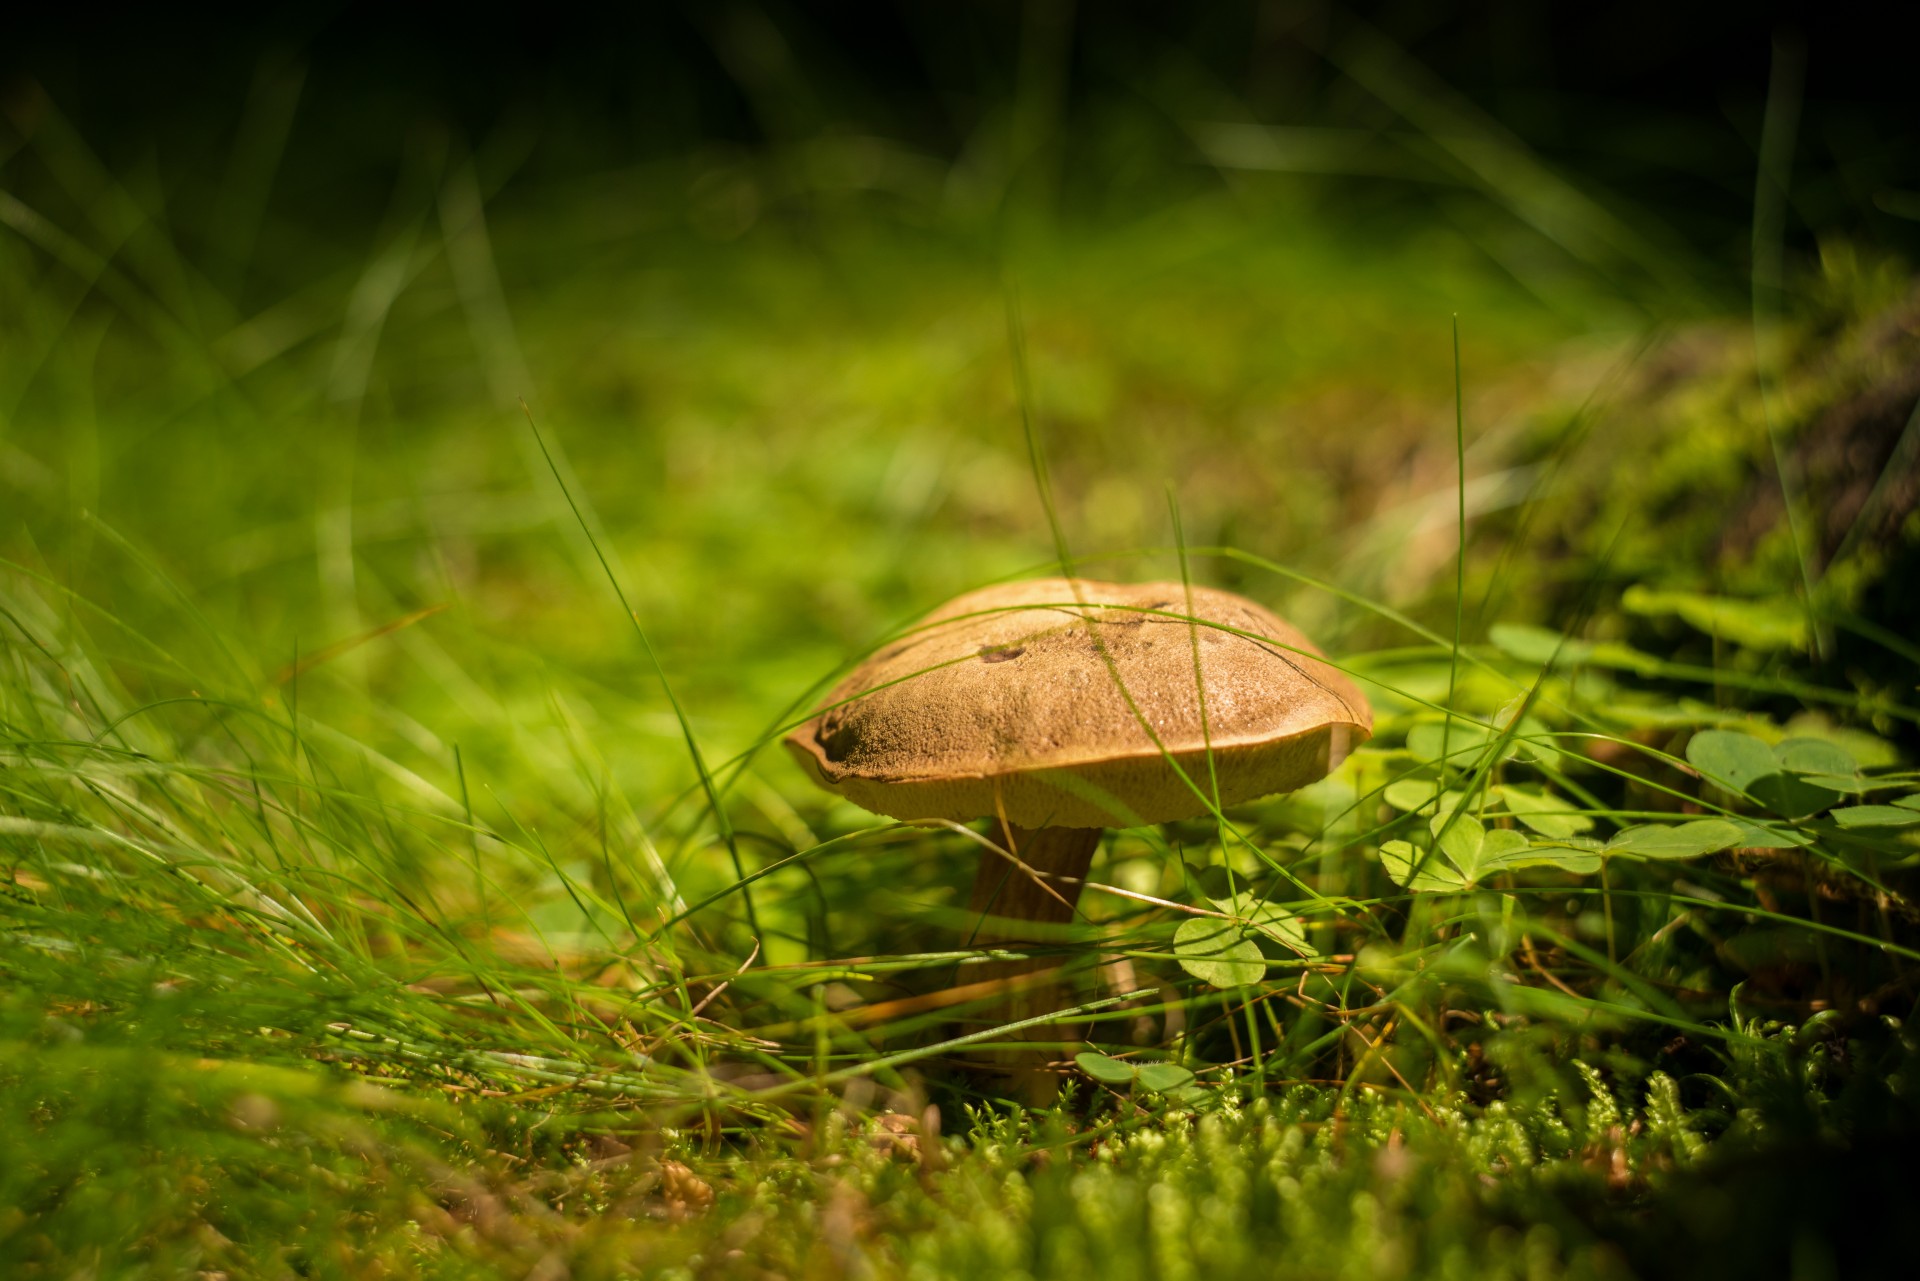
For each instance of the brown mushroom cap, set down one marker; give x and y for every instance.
(1001, 702)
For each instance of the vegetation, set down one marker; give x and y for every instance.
(377, 900)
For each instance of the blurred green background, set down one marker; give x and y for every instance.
(278, 282)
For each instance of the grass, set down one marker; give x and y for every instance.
(378, 901)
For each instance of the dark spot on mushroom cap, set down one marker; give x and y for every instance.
(1000, 654)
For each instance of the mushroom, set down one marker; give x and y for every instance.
(1057, 708)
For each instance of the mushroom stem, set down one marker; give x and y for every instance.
(1010, 894)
